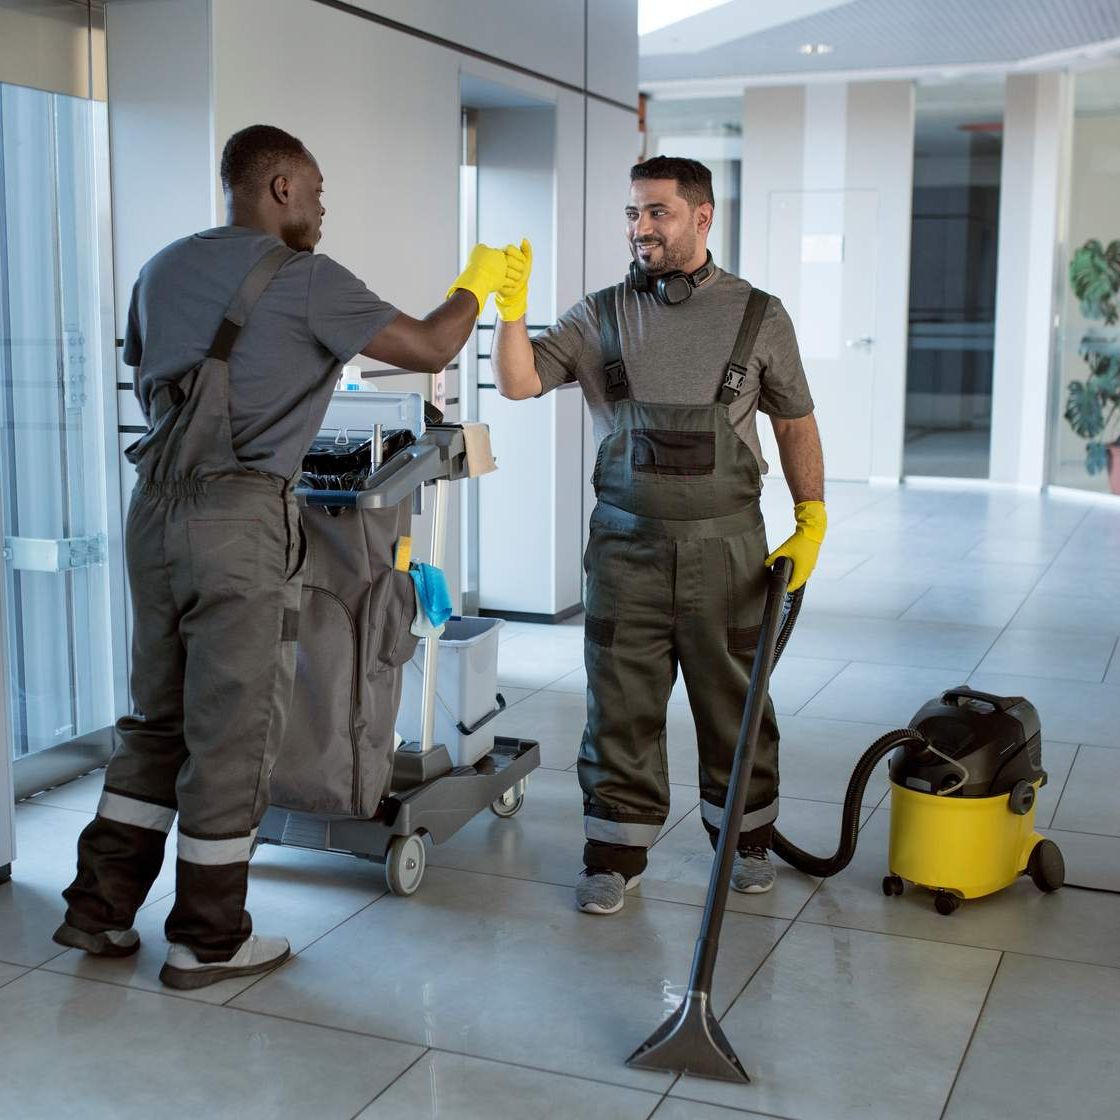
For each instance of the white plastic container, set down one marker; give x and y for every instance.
(466, 689)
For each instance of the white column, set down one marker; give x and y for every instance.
(1037, 125)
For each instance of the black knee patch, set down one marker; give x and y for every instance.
(599, 630)
(743, 639)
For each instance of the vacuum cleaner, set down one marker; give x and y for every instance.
(964, 782)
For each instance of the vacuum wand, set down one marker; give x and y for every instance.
(691, 1040)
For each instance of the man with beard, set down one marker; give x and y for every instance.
(237, 335)
(674, 363)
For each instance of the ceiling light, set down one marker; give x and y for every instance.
(815, 48)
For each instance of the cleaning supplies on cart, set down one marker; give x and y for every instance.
(433, 600)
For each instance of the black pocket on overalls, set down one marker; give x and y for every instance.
(673, 453)
(396, 642)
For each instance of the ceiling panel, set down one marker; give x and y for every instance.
(895, 34)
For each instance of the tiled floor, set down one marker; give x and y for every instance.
(487, 995)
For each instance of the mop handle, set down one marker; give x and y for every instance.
(707, 944)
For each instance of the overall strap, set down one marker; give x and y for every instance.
(617, 386)
(243, 302)
(736, 375)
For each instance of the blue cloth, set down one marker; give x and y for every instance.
(431, 592)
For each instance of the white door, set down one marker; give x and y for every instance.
(821, 264)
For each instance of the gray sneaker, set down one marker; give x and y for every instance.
(186, 972)
(603, 892)
(110, 943)
(752, 872)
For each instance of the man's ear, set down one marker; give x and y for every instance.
(280, 189)
(705, 214)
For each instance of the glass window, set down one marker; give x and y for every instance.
(710, 130)
(1086, 424)
(958, 144)
(52, 430)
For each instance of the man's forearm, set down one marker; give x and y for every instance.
(799, 444)
(452, 324)
(513, 361)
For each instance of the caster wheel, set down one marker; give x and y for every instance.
(509, 804)
(892, 885)
(946, 903)
(1046, 867)
(404, 864)
(1021, 798)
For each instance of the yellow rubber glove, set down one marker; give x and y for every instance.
(512, 297)
(485, 273)
(805, 544)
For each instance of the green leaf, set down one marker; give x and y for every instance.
(1096, 457)
(1094, 274)
(1083, 410)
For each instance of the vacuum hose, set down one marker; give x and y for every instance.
(825, 866)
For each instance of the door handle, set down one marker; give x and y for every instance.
(865, 341)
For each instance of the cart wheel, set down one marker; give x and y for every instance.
(946, 903)
(1046, 867)
(509, 804)
(892, 885)
(404, 864)
(1021, 798)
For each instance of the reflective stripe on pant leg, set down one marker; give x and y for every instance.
(126, 809)
(752, 819)
(633, 834)
(216, 852)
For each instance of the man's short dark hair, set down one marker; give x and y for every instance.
(253, 156)
(694, 180)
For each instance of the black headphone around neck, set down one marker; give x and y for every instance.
(672, 287)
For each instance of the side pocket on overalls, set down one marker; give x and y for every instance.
(600, 601)
(745, 582)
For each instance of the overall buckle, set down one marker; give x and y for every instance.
(617, 385)
(733, 382)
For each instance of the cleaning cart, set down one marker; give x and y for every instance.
(345, 780)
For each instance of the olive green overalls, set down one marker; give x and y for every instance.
(214, 554)
(675, 575)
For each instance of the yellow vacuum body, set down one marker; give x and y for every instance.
(963, 801)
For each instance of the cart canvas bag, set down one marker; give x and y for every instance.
(354, 639)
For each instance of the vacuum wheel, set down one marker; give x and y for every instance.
(892, 885)
(510, 802)
(1046, 867)
(404, 864)
(945, 902)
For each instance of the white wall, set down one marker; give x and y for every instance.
(1036, 129)
(839, 137)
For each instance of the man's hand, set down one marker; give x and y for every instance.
(805, 544)
(512, 297)
(486, 272)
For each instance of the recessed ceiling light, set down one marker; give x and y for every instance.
(815, 48)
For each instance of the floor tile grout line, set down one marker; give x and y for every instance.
(404, 1073)
(1065, 786)
(30, 802)
(819, 690)
(1112, 658)
(972, 1036)
(959, 944)
(309, 945)
(18, 975)
(731, 1110)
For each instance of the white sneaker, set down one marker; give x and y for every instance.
(752, 872)
(110, 943)
(186, 972)
(603, 892)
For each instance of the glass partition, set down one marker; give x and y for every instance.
(1085, 447)
(53, 506)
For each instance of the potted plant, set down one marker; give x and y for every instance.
(1093, 405)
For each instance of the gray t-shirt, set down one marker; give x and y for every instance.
(312, 318)
(679, 355)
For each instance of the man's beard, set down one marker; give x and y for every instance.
(674, 258)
